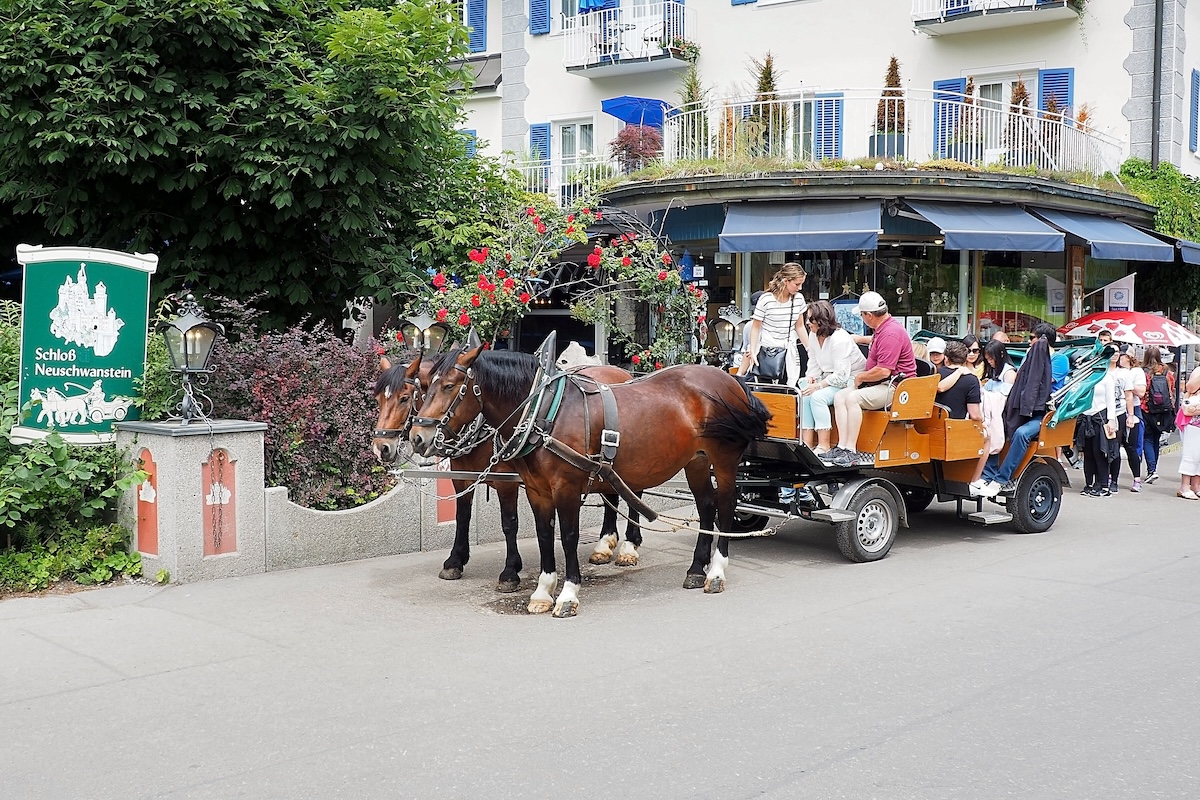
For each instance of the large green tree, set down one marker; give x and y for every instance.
(304, 149)
(1177, 196)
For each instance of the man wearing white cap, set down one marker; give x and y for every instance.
(937, 352)
(891, 356)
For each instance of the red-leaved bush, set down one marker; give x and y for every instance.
(314, 391)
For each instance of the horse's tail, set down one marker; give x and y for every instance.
(737, 422)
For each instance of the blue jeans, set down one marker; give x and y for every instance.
(1016, 452)
(815, 409)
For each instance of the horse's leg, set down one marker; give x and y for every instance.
(608, 532)
(542, 599)
(726, 499)
(568, 505)
(460, 552)
(701, 486)
(510, 578)
(627, 553)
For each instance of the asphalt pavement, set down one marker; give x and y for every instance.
(970, 663)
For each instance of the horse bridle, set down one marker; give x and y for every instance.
(401, 432)
(445, 441)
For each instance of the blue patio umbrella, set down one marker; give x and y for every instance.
(595, 5)
(637, 110)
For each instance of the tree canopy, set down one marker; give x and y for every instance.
(304, 149)
(1177, 197)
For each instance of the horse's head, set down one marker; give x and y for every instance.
(397, 391)
(443, 412)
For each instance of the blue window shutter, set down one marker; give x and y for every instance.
(539, 17)
(539, 141)
(477, 20)
(827, 126)
(946, 112)
(470, 137)
(1060, 84)
(742, 2)
(1193, 126)
(952, 7)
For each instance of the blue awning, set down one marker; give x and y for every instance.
(825, 225)
(968, 226)
(1108, 237)
(1189, 251)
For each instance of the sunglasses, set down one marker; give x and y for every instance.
(972, 349)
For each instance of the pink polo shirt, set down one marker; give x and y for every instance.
(891, 348)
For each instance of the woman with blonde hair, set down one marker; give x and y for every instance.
(833, 361)
(778, 320)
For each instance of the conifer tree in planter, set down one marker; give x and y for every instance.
(888, 141)
(1020, 132)
(965, 145)
(767, 122)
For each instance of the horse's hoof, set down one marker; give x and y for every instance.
(450, 573)
(627, 560)
(714, 586)
(693, 581)
(539, 606)
(601, 558)
(508, 586)
(568, 609)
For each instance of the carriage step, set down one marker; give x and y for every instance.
(990, 517)
(832, 515)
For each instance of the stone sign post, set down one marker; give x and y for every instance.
(83, 339)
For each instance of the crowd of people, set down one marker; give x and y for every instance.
(802, 344)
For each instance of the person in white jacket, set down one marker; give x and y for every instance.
(833, 360)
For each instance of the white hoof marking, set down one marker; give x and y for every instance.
(716, 568)
(604, 549)
(627, 554)
(568, 600)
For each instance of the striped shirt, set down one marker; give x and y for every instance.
(774, 317)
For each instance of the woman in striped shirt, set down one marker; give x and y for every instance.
(779, 319)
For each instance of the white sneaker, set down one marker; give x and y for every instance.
(990, 489)
(976, 487)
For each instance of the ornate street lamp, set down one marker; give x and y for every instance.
(726, 329)
(423, 333)
(189, 339)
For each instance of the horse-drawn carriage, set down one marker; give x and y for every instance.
(574, 433)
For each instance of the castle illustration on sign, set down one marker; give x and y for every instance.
(79, 318)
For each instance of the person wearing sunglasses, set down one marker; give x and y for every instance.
(975, 361)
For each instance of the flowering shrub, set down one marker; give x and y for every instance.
(495, 287)
(314, 392)
(630, 270)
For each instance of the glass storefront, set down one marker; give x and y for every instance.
(1019, 290)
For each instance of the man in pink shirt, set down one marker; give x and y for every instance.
(889, 360)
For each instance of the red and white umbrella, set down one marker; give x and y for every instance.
(1134, 327)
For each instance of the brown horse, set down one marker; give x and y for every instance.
(693, 417)
(398, 391)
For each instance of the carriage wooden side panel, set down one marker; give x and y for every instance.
(784, 408)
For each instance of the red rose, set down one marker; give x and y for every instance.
(478, 256)
(399, 336)
(508, 256)
(541, 228)
(700, 319)
(531, 212)
(586, 211)
(662, 274)
(484, 253)
(658, 365)
(570, 229)
(463, 319)
(483, 281)
(501, 273)
(594, 260)
(598, 249)
(666, 258)
(636, 359)
(626, 261)
(524, 297)
(599, 215)
(441, 315)
(509, 283)
(570, 217)
(439, 280)
(475, 301)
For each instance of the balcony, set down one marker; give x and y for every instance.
(941, 17)
(564, 179)
(625, 41)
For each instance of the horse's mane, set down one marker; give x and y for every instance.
(503, 374)
(391, 379)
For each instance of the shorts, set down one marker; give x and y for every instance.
(875, 397)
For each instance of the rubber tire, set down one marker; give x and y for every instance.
(871, 505)
(1038, 499)
(96, 416)
(747, 523)
(120, 414)
(916, 500)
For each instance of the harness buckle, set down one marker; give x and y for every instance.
(610, 438)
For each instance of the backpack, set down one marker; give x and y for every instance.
(1158, 394)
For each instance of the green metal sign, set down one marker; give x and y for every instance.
(83, 339)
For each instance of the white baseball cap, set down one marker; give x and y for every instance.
(871, 302)
(936, 345)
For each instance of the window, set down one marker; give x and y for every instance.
(576, 141)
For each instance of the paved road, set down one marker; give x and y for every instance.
(971, 663)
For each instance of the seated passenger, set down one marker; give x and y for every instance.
(937, 352)
(833, 360)
(889, 360)
(958, 389)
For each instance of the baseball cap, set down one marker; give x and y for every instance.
(871, 302)
(936, 345)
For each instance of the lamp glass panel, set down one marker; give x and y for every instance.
(435, 337)
(174, 339)
(412, 335)
(724, 332)
(198, 341)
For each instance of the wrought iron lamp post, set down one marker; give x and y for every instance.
(423, 334)
(726, 329)
(190, 338)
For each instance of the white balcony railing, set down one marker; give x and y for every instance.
(928, 10)
(564, 179)
(642, 31)
(823, 125)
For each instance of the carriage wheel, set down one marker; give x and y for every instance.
(120, 413)
(916, 500)
(869, 536)
(97, 416)
(747, 523)
(1038, 499)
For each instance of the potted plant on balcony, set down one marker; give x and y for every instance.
(965, 143)
(1021, 134)
(636, 146)
(888, 141)
(683, 49)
